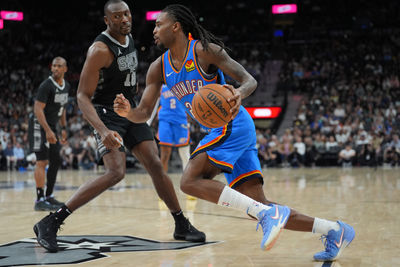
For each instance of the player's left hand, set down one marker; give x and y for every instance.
(121, 105)
(235, 101)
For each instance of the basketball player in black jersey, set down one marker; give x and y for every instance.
(110, 69)
(49, 109)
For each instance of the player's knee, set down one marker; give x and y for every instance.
(116, 176)
(186, 185)
(41, 163)
(155, 167)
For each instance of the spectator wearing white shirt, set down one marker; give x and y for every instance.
(339, 111)
(342, 136)
(346, 156)
(331, 144)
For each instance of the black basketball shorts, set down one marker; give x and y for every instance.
(37, 140)
(131, 133)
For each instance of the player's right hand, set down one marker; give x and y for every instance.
(51, 137)
(111, 139)
(121, 105)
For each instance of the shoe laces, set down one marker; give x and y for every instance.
(327, 242)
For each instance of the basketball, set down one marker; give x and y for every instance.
(211, 107)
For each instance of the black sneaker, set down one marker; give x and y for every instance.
(186, 231)
(57, 204)
(46, 232)
(43, 205)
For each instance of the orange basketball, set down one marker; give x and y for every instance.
(211, 107)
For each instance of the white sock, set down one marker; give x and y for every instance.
(236, 200)
(322, 226)
(184, 154)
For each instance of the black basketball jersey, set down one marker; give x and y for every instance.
(55, 97)
(120, 76)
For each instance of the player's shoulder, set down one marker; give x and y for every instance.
(46, 83)
(99, 47)
(211, 48)
(99, 55)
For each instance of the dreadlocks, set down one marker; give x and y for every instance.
(185, 17)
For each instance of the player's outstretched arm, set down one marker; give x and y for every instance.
(143, 111)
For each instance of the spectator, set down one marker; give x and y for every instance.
(76, 156)
(367, 156)
(347, 156)
(331, 145)
(300, 149)
(3, 159)
(295, 159)
(311, 154)
(9, 153)
(392, 151)
(19, 155)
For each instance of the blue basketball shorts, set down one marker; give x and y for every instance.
(232, 148)
(173, 134)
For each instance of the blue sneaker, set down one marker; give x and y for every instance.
(272, 222)
(335, 242)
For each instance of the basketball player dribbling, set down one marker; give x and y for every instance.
(184, 68)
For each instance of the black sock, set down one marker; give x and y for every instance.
(178, 216)
(62, 213)
(39, 193)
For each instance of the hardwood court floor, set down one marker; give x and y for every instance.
(366, 198)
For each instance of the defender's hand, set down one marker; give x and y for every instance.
(111, 139)
(121, 105)
(51, 137)
(235, 101)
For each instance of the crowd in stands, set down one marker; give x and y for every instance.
(350, 108)
(349, 83)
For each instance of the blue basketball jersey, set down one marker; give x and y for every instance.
(231, 148)
(186, 82)
(170, 108)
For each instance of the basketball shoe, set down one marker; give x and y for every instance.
(184, 230)
(335, 242)
(43, 205)
(57, 204)
(46, 232)
(272, 222)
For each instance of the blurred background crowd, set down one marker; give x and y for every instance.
(333, 67)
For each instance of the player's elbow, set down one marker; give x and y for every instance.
(253, 83)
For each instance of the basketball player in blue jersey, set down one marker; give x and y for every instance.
(173, 128)
(185, 67)
(110, 69)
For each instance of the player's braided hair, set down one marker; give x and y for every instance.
(185, 17)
